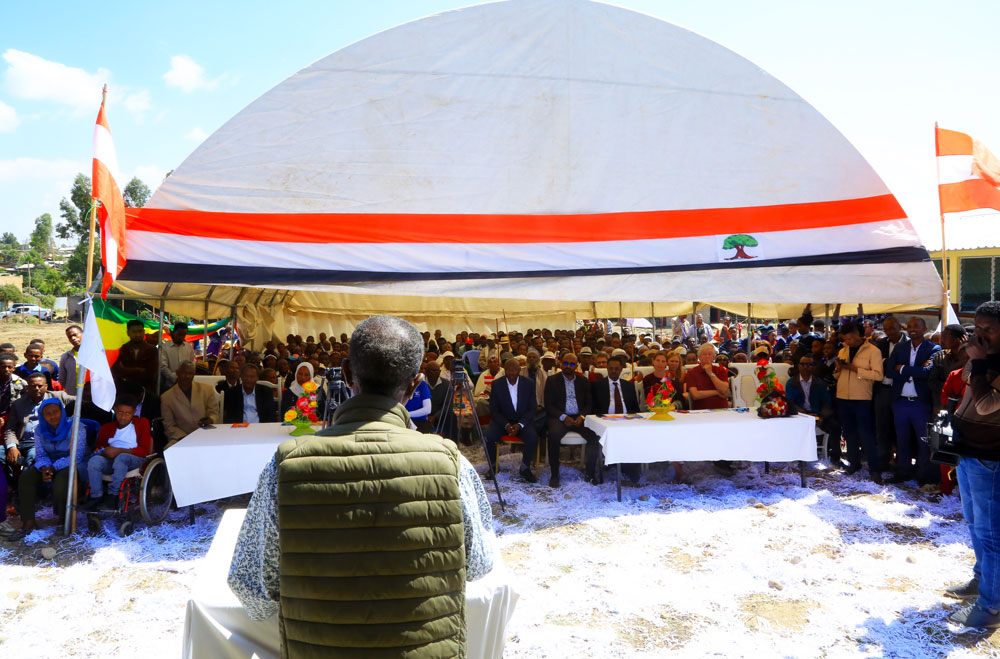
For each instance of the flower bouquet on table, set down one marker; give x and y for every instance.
(660, 400)
(771, 393)
(303, 414)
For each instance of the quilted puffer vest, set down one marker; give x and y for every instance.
(372, 539)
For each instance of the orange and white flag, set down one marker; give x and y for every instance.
(111, 213)
(968, 174)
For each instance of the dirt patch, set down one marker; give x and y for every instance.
(906, 534)
(685, 563)
(670, 631)
(778, 613)
(19, 333)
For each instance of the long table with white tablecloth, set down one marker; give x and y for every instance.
(217, 627)
(219, 462)
(725, 434)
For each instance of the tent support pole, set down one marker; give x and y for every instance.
(826, 318)
(159, 339)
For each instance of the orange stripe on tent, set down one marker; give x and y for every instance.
(596, 227)
(953, 143)
(969, 195)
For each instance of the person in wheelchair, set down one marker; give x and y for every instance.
(122, 445)
(53, 440)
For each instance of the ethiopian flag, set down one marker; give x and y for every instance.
(112, 322)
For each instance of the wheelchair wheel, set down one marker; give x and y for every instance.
(126, 528)
(155, 493)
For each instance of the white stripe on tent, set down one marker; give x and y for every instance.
(512, 257)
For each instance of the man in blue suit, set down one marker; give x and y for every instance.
(909, 367)
(808, 394)
(512, 412)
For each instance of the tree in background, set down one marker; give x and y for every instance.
(9, 239)
(8, 294)
(136, 193)
(75, 212)
(41, 239)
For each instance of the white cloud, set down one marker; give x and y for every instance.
(151, 175)
(34, 78)
(138, 104)
(196, 134)
(24, 169)
(8, 118)
(187, 75)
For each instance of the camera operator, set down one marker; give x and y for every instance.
(977, 428)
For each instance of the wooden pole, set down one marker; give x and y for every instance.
(93, 214)
(944, 250)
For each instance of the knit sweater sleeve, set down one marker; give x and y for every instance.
(253, 574)
(480, 540)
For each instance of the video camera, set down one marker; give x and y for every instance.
(458, 374)
(337, 392)
(942, 438)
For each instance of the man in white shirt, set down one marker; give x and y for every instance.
(174, 353)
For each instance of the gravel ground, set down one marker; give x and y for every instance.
(746, 566)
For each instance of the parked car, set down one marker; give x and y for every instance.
(23, 309)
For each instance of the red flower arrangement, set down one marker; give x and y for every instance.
(661, 395)
(770, 393)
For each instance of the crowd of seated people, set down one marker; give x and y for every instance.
(872, 383)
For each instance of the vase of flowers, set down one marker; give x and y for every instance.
(303, 414)
(770, 393)
(660, 400)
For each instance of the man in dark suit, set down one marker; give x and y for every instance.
(512, 412)
(909, 367)
(567, 401)
(250, 402)
(885, 429)
(612, 395)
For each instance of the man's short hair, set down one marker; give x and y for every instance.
(850, 328)
(42, 341)
(8, 357)
(955, 330)
(127, 400)
(617, 358)
(186, 362)
(385, 355)
(7, 347)
(989, 309)
(180, 324)
(76, 327)
(250, 366)
(135, 322)
(33, 346)
(37, 374)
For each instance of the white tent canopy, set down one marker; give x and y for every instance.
(519, 153)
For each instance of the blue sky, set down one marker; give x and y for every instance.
(883, 72)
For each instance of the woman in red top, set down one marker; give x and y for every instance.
(122, 445)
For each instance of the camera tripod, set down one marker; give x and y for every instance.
(460, 393)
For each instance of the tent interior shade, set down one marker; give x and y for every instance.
(543, 159)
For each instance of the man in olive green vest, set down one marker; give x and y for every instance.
(361, 537)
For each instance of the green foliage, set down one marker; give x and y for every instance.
(76, 266)
(75, 212)
(49, 281)
(41, 236)
(9, 239)
(31, 256)
(136, 193)
(9, 293)
(739, 239)
(9, 254)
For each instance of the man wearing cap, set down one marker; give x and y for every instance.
(549, 363)
(567, 401)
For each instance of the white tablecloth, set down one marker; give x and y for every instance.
(214, 463)
(217, 627)
(717, 435)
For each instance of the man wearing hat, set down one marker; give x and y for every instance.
(549, 363)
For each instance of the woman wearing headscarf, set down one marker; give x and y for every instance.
(303, 374)
(53, 441)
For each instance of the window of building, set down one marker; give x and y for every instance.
(978, 281)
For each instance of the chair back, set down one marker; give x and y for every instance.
(471, 358)
(92, 428)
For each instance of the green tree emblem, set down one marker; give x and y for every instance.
(738, 242)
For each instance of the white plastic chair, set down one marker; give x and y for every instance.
(573, 438)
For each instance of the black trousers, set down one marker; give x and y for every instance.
(557, 430)
(885, 426)
(529, 450)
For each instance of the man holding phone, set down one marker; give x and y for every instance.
(977, 429)
(859, 367)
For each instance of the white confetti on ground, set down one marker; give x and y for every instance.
(747, 566)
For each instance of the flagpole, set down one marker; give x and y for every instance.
(93, 213)
(944, 251)
(69, 524)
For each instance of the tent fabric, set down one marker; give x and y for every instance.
(532, 150)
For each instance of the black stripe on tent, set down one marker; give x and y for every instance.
(196, 273)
